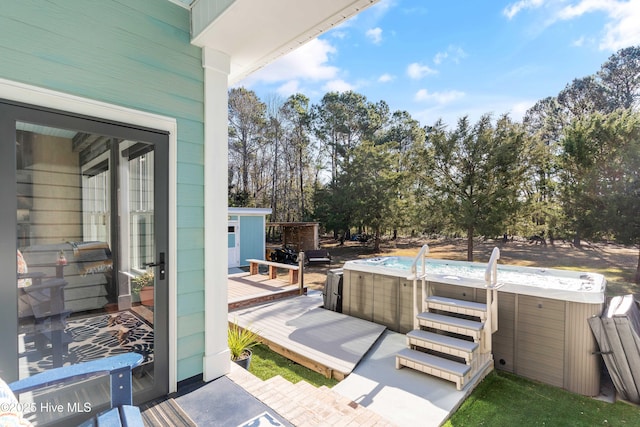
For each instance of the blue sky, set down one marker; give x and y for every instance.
(451, 58)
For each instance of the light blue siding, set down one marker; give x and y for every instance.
(251, 238)
(190, 281)
(135, 54)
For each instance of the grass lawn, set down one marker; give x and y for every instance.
(503, 399)
(266, 364)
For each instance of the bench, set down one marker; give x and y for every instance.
(320, 256)
(273, 269)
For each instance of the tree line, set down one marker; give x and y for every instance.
(569, 170)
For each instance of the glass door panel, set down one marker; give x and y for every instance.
(87, 259)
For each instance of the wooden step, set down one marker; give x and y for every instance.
(433, 365)
(469, 308)
(442, 344)
(451, 324)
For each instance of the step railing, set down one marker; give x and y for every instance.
(491, 285)
(422, 256)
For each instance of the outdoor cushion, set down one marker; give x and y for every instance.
(22, 268)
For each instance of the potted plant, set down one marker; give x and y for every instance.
(241, 341)
(142, 285)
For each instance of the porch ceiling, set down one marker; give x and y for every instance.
(254, 33)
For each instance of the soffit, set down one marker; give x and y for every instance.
(184, 3)
(253, 33)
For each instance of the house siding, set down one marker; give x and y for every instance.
(136, 55)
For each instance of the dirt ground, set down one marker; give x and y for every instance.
(617, 263)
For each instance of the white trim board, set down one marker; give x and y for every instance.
(35, 95)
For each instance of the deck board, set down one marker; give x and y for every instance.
(300, 325)
(243, 286)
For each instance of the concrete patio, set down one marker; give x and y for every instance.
(372, 393)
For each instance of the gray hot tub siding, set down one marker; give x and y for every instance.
(543, 339)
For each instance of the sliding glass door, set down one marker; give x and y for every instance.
(87, 203)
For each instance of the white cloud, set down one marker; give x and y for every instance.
(381, 8)
(621, 30)
(308, 62)
(386, 77)
(438, 97)
(417, 71)
(369, 18)
(453, 53)
(514, 8)
(338, 34)
(440, 56)
(578, 42)
(289, 88)
(337, 85)
(375, 35)
(519, 109)
(575, 10)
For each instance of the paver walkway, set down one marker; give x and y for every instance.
(303, 404)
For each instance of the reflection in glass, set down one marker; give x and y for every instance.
(85, 232)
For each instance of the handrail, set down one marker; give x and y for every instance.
(491, 279)
(491, 273)
(424, 251)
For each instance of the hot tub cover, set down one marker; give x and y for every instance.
(617, 332)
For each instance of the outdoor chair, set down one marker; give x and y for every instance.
(41, 309)
(121, 411)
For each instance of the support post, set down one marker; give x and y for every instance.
(216, 361)
(253, 268)
(301, 272)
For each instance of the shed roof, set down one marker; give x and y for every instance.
(291, 224)
(249, 211)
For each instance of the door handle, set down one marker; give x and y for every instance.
(160, 263)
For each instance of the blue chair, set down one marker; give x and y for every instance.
(121, 412)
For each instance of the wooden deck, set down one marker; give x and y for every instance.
(300, 329)
(244, 290)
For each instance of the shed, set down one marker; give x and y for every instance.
(246, 234)
(301, 236)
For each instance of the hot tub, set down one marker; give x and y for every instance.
(543, 333)
(549, 283)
